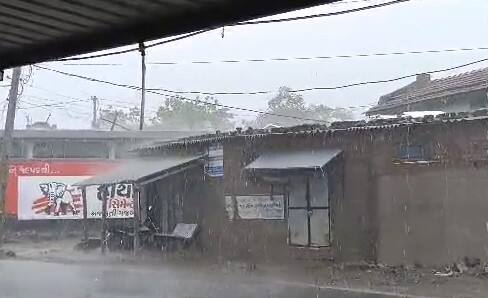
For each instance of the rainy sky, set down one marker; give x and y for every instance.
(414, 25)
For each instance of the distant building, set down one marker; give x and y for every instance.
(43, 155)
(43, 143)
(459, 93)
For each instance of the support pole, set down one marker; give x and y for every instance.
(104, 221)
(137, 196)
(94, 113)
(85, 214)
(142, 49)
(6, 148)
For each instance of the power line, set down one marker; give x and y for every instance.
(62, 104)
(320, 88)
(157, 90)
(120, 105)
(349, 2)
(236, 24)
(136, 48)
(110, 105)
(56, 104)
(364, 55)
(320, 15)
(124, 103)
(184, 98)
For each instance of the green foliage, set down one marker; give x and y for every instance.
(289, 103)
(177, 113)
(181, 114)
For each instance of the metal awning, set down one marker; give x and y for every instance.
(33, 31)
(312, 159)
(143, 171)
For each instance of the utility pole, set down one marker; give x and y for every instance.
(6, 148)
(114, 122)
(142, 49)
(94, 124)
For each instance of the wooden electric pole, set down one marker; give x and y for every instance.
(6, 148)
(142, 49)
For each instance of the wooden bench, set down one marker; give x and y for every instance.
(183, 234)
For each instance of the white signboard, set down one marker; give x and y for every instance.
(259, 206)
(54, 197)
(215, 161)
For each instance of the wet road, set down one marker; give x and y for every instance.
(29, 279)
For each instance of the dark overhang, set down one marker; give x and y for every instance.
(33, 31)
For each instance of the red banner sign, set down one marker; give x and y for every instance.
(43, 190)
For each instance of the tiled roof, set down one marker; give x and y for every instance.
(457, 84)
(478, 115)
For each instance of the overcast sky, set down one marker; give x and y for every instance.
(414, 25)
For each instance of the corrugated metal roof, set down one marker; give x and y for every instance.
(293, 160)
(449, 86)
(32, 31)
(311, 129)
(136, 171)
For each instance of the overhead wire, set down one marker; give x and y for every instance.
(379, 54)
(181, 97)
(283, 59)
(322, 87)
(350, 2)
(62, 104)
(320, 15)
(268, 21)
(135, 48)
(122, 102)
(172, 92)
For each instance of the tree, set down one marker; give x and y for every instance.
(284, 103)
(182, 114)
(292, 104)
(325, 113)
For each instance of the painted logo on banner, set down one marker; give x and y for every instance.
(54, 197)
(215, 162)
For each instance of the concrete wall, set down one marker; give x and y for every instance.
(433, 215)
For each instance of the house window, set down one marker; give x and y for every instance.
(308, 212)
(411, 152)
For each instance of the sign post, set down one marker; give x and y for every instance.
(104, 220)
(85, 214)
(137, 196)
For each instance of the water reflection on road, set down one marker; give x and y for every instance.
(29, 279)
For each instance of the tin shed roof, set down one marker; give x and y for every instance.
(429, 90)
(33, 31)
(142, 170)
(294, 160)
